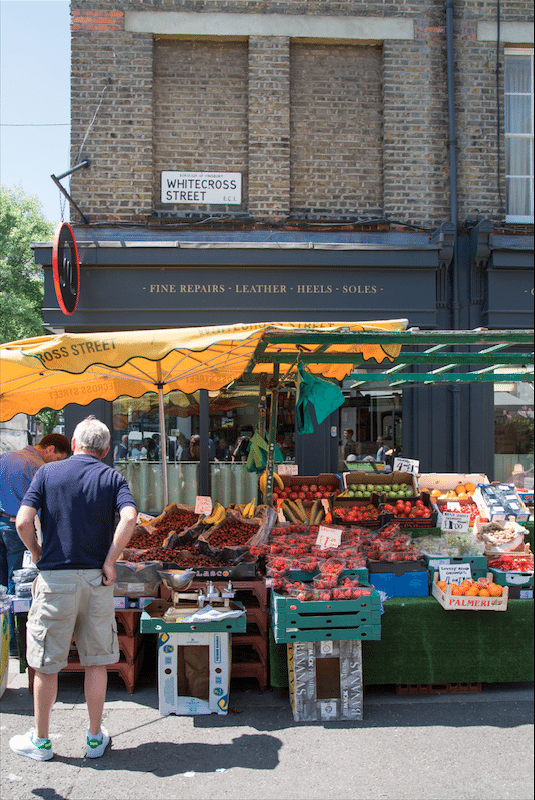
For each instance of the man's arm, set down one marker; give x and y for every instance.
(121, 537)
(25, 523)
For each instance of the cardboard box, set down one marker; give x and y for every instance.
(152, 620)
(20, 605)
(325, 680)
(501, 502)
(461, 603)
(448, 481)
(381, 482)
(189, 682)
(409, 584)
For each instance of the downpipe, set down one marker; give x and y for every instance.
(452, 148)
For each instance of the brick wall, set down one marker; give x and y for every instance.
(336, 130)
(200, 111)
(316, 129)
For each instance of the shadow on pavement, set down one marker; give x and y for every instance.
(164, 759)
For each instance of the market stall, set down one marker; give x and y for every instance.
(415, 640)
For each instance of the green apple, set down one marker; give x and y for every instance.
(370, 487)
(353, 487)
(351, 494)
(395, 487)
(392, 495)
(362, 487)
(358, 494)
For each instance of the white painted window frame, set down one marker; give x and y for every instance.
(516, 218)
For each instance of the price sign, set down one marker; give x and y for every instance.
(203, 505)
(451, 505)
(455, 573)
(406, 465)
(328, 537)
(453, 522)
(280, 512)
(288, 469)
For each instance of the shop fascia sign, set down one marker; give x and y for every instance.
(219, 188)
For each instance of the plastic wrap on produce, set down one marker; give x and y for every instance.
(135, 572)
(260, 528)
(326, 680)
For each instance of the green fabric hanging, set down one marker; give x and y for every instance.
(324, 396)
(258, 452)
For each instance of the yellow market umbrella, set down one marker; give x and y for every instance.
(52, 371)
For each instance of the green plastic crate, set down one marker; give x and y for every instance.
(154, 624)
(512, 577)
(284, 635)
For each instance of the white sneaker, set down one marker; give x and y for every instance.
(97, 744)
(29, 745)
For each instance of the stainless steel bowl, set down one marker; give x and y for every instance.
(177, 579)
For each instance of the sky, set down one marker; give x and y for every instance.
(35, 99)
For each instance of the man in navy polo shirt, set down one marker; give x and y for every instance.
(73, 594)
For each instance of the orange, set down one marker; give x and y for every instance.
(469, 487)
(436, 493)
(472, 592)
(460, 489)
(442, 585)
(456, 590)
(484, 593)
(495, 590)
(463, 496)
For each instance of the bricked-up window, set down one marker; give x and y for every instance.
(518, 84)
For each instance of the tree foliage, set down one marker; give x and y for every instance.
(21, 281)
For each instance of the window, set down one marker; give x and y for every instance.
(513, 432)
(518, 86)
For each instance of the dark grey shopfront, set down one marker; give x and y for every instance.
(139, 278)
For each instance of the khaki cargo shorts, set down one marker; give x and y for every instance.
(71, 603)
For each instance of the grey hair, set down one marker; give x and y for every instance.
(91, 434)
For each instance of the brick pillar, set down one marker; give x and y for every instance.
(269, 126)
(415, 156)
(111, 92)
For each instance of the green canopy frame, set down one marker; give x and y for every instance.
(477, 356)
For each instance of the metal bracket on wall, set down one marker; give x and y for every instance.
(57, 178)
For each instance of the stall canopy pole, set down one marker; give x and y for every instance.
(204, 431)
(163, 440)
(270, 466)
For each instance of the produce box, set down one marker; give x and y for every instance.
(462, 603)
(409, 584)
(318, 620)
(136, 589)
(325, 680)
(244, 570)
(152, 620)
(381, 483)
(193, 673)
(501, 502)
(429, 521)
(478, 564)
(449, 481)
(342, 509)
(20, 605)
(325, 479)
(512, 578)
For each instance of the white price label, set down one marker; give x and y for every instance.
(288, 469)
(455, 573)
(453, 522)
(203, 505)
(406, 465)
(328, 537)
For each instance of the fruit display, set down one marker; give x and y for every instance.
(391, 491)
(463, 491)
(304, 491)
(483, 587)
(501, 536)
(453, 545)
(296, 511)
(408, 509)
(362, 513)
(510, 562)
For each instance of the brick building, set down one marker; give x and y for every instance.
(380, 154)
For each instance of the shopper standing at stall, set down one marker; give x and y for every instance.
(73, 594)
(17, 469)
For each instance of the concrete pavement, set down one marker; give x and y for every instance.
(443, 747)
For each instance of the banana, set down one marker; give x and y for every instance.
(217, 515)
(314, 511)
(249, 510)
(263, 482)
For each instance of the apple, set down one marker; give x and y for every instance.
(313, 488)
(395, 487)
(318, 495)
(310, 495)
(293, 495)
(283, 495)
(305, 488)
(325, 495)
(321, 489)
(370, 487)
(302, 495)
(296, 488)
(362, 487)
